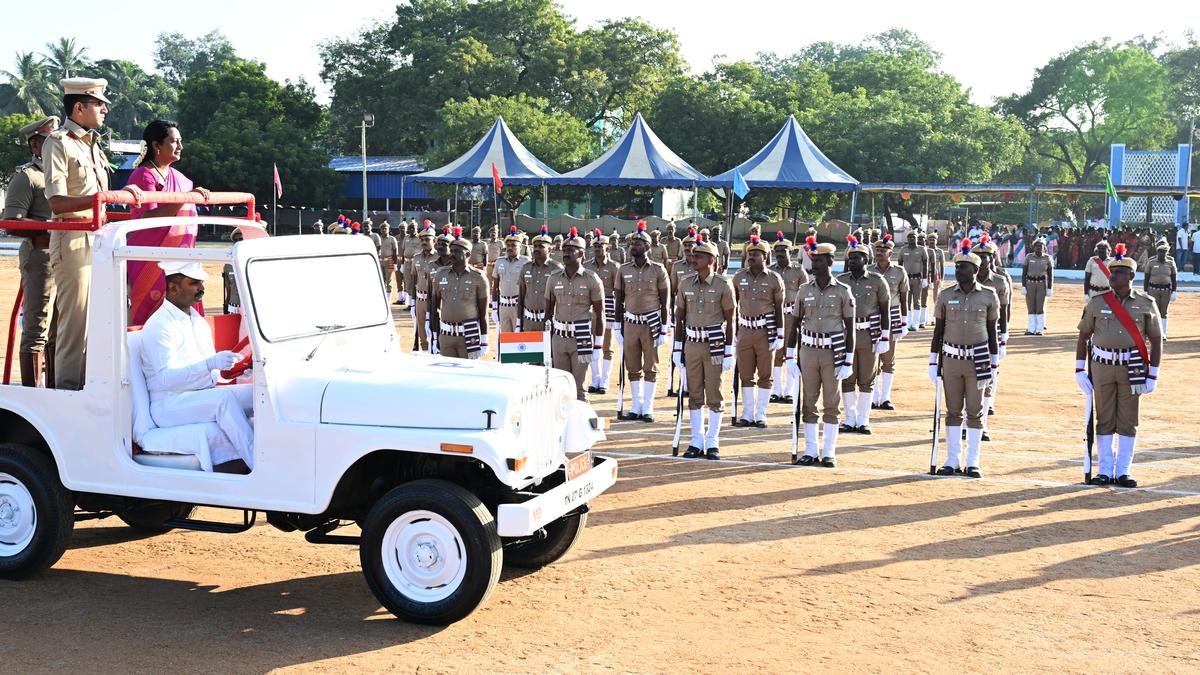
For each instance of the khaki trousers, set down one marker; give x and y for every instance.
(887, 360)
(640, 355)
(914, 293)
(510, 319)
(564, 355)
(703, 378)
(1162, 298)
(1035, 298)
(528, 325)
(71, 262)
(607, 346)
(37, 284)
(817, 380)
(754, 357)
(453, 346)
(386, 268)
(400, 278)
(422, 309)
(961, 387)
(862, 373)
(1116, 404)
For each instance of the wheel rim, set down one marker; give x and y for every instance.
(424, 556)
(18, 516)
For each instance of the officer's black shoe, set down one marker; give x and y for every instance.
(693, 452)
(1126, 481)
(776, 398)
(741, 422)
(806, 460)
(991, 411)
(787, 399)
(947, 471)
(964, 433)
(973, 472)
(671, 393)
(874, 405)
(1029, 332)
(761, 424)
(683, 393)
(1100, 480)
(864, 429)
(714, 453)
(398, 303)
(847, 429)
(985, 437)
(591, 390)
(828, 462)
(629, 417)
(887, 405)
(601, 390)
(647, 418)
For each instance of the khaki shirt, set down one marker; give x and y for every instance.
(1037, 266)
(658, 253)
(680, 270)
(793, 277)
(75, 166)
(823, 310)
(495, 249)
(937, 261)
(574, 295)
(641, 285)
(1107, 331)
(479, 253)
(704, 303)
(376, 239)
(410, 247)
(420, 268)
(506, 274)
(914, 259)
(617, 254)
(1001, 285)
(1157, 272)
(757, 294)
(607, 272)
(672, 245)
(896, 278)
(388, 247)
(1099, 280)
(26, 195)
(967, 314)
(868, 291)
(535, 277)
(723, 251)
(459, 295)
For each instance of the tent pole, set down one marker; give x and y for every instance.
(401, 197)
(545, 205)
(455, 223)
(853, 205)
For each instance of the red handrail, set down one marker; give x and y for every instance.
(100, 216)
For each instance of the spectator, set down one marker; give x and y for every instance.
(1196, 251)
(1182, 246)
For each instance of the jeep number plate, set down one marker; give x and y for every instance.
(579, 465)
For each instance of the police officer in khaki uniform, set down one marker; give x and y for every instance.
(915, 261)
(506, 284)
(556, 253)
(704, 311)
(389, 256)
(1159, 280)
(672, 243)
(458, 301)
(75, 168)
(1119, 375)
(534, 276)
(897, 278)
(575, 303)
(1095, 281)
(642, 291)
(824, 329)
(759, 294)
(793, 276)
(937, 264)
(607, 270)
(25, 199)
(368, 228)
(615, 251)
(419, 268)
(676, 271)
(964, 354)
(495, 248)
(723, 250)
(658, 252)
(989, 278)
(872, 317)
(410, 246)
(479, 250)
(1037, 284)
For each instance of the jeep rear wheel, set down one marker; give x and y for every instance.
(430, 552)
(561, 536)
(152, 517)
(36, 512)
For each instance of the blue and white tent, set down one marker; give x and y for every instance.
(791, 161)
(638, 159)
(499, 146)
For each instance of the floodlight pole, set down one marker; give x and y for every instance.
(368, 121)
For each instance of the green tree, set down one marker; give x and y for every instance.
(28, 89)
(237, 122)
(177, 57)
(13, 154)
(65, 58)
(140, 97)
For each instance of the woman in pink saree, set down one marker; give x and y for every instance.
(162, 146)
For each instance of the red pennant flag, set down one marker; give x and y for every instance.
(278, 185)
(496, 182)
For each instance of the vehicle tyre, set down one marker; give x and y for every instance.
(151, 517)
(561, 537)
(430, 552)
(37, 513)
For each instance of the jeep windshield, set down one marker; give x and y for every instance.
(314, 295)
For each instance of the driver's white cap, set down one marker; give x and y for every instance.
(187, 269)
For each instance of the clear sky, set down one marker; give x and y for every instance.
(993, 48)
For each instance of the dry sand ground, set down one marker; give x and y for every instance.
(738, 565)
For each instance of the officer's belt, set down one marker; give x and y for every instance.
(914, 275)
(447, 328)
(714, 335)
(761, 321)
(1111, 357)
(818, 340)
(643, 319)
(1037, 280)
(979, 355)
(961, 352)
(1160, 287)
(509, 300)
(790, 308)
(533, 315)
(422, 295)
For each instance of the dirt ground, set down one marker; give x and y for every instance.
(746, 564)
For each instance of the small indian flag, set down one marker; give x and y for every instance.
(526, 347)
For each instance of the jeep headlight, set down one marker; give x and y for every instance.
(563, 409)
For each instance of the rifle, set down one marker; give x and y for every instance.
(678, 414)
(795, 420)
(621, 386)
(937, 418)
(1090, 426)
(733, 417)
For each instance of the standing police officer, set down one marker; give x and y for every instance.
(575, 304)
(1159, 280)
(534, 275)
(915, 261)
(641, 290)
(897, 280)
(458, 301)
(1037, 283)
(872, 317)
(606, 269)
(759, 294)
(419, 268)
(793, 276)
(506, 284)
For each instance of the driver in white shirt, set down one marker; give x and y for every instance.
(179, 360)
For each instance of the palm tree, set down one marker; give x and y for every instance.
(130, 110)
(30, 88)
(65, 58)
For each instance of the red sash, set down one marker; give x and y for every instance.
(1127, 321)
(1104, 269)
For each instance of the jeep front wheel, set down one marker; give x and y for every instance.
(560, 537)
(36, 512)
(430, 552)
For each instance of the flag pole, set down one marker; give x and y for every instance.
(274, 212)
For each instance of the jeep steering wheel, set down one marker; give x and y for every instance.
(241, 366)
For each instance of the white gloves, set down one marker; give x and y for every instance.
(727, 363)
(1003, 345)
(1151, 381)
(1024, 291)
(882, 346)
(791, 364)
(777, 343)
(995, 358)
(843, 371)
(903, 330)
(614, 325)
(223, 360)
(495, 317)
(597, 347)
(1049, 292)
(619, 336)
(483, 348)
(924, 283)
(1081, 378)
(677, 353)
(433, 344)
(661, 339)
(494, 305)
(1174, 296)
(933, 368)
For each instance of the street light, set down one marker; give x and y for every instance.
(368, 121)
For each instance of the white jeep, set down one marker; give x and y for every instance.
(450, 467)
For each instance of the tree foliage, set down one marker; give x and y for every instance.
(176, 57)
(13, 154)
(139, 97)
